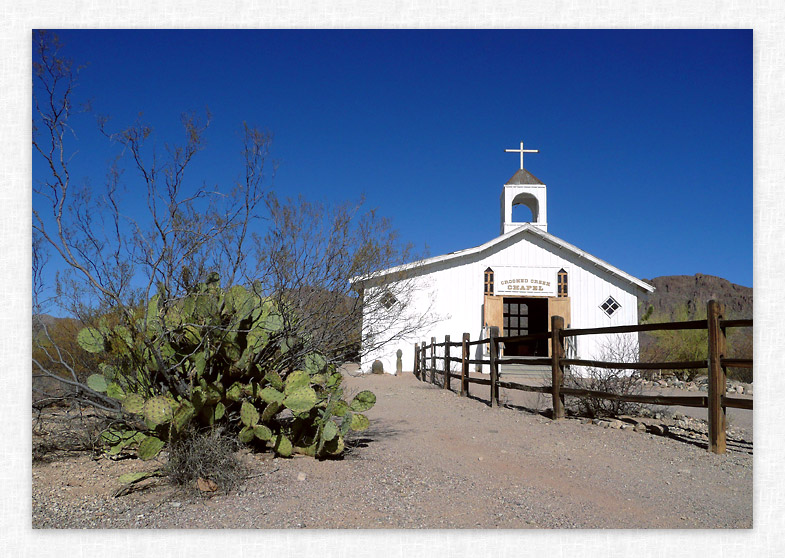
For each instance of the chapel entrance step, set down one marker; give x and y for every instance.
(524, 371)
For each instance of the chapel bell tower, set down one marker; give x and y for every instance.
(524, 189)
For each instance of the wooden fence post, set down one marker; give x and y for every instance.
(423, 367)
(416, 361)
(557, 372)
(494, 366)
(433, 360)
(465, 365)
(446, 362)
(717, 420)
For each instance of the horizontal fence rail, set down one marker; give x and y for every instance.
(716, 400)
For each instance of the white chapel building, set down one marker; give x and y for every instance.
(515, 281)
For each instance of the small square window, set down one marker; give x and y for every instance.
(610, 306)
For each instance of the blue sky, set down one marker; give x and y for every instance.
(645, 137)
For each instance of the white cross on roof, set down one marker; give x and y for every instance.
(521, 151)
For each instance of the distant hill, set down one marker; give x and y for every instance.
(696, 290)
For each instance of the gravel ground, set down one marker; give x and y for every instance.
(431, 459)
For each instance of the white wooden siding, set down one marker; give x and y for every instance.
(456, 289)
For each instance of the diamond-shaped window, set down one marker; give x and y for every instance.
(610, 306)
(388, 300)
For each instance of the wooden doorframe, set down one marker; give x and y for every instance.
(493, 310)
(559, 306)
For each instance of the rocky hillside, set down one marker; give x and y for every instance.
(696, 290)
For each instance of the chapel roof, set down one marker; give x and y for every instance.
(524, 229)
(522, 176)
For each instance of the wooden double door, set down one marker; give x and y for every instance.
(515, 315)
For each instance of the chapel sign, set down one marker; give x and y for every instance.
(525, 281)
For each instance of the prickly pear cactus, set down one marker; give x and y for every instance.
(227, 357)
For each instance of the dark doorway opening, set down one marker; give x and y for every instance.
(525, 316)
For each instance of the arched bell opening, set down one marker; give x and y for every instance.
(523, 202)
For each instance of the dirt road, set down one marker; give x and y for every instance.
(432, 459)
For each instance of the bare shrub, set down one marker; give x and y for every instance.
(207, 455)
(618, 381)
(55, 432)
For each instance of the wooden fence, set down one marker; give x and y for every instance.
(715, 400)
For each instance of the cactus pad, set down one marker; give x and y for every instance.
(346, 423)
(157, 411)
(334, 446)
(109, 371)
(301, 400)
(270, 411)
(334, 380)
(235, 392)
(262, 432)
(363, 401)
(131, 478)
(319, 379)
(314, 363)
(273, 323)
(114, 391)
(91, 340)
(329, 431)
(282, 445)
(296, 380)
(359, 422)
(213, 394)
(124, 333)
(246, 435)
(150, 447)
(238, 301)
(183, 415)
(271, 395)
(134, 403)
(340, 408)
(248, 414)
(97, 382)
(275, 380)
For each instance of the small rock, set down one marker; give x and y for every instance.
(479, 458)
(658, 429)
(301, 476)
(640, 427)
